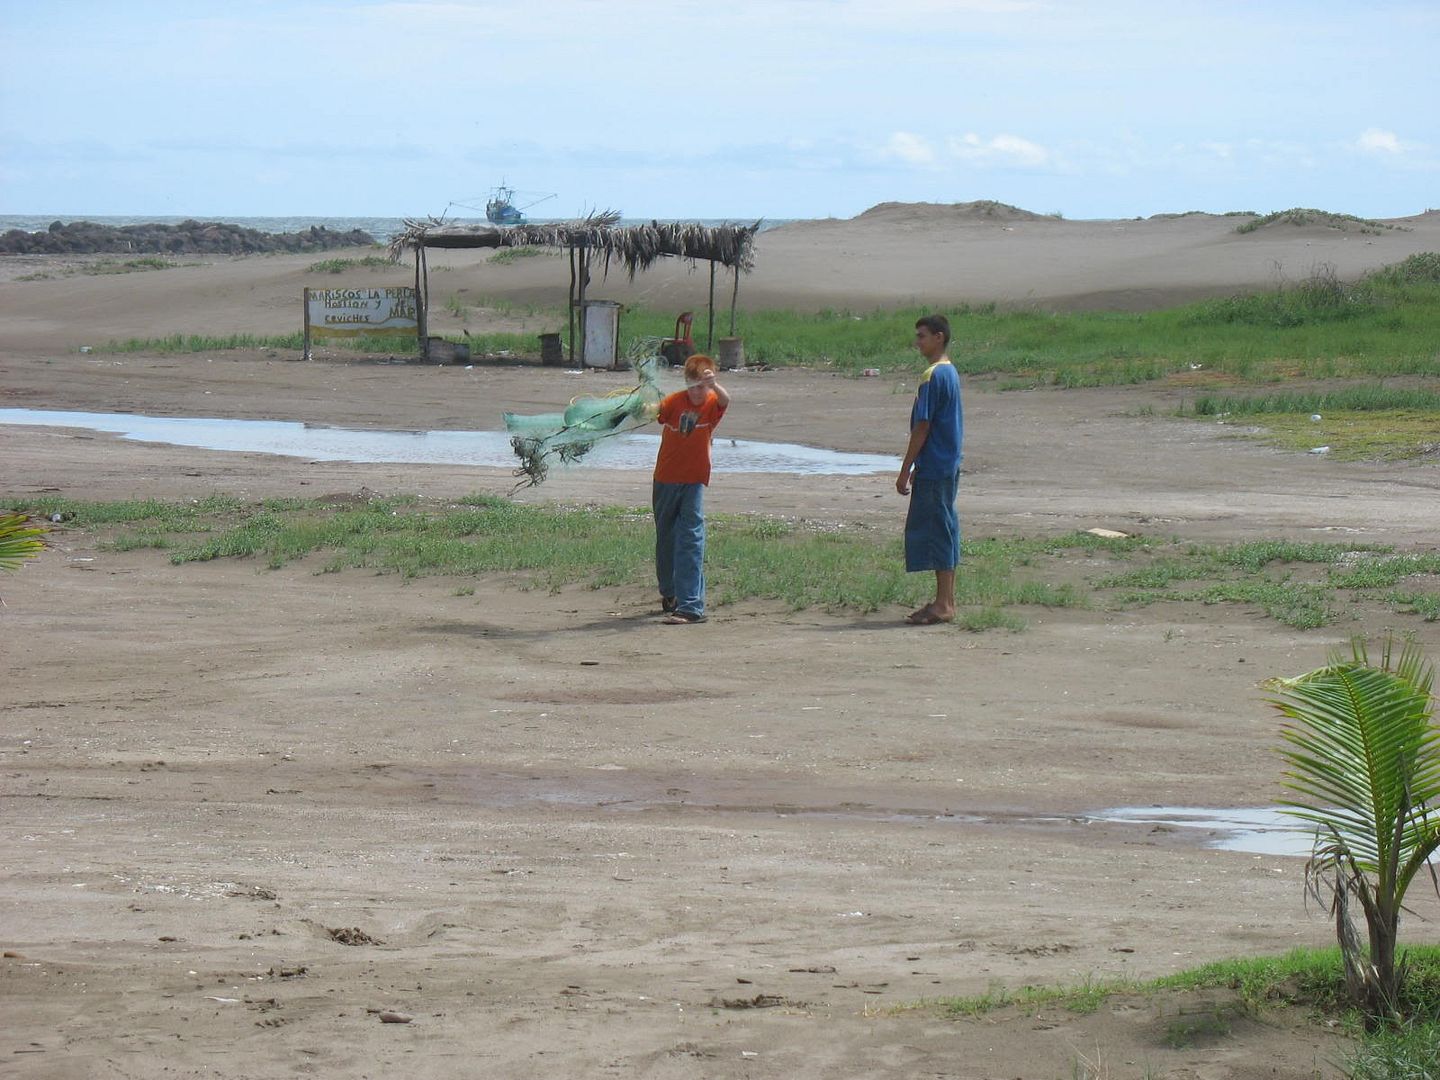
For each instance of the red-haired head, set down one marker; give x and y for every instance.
(697, 366)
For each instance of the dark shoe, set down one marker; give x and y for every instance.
(681, 618)
(667, 604)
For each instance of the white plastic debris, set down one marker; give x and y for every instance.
(1320, 450)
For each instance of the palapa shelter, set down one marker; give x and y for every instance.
(635, 247)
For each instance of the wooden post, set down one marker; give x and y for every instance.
(734, 294)
(422, 326)
(572, 305)
(710, 331)
(584, 280)
(306, 302)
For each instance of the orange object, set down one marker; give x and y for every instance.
(684, 320)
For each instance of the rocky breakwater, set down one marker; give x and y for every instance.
(186, 238)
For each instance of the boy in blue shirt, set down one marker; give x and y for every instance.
(930, 473)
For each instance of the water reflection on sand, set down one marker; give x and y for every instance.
(481, 448)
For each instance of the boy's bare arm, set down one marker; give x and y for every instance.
(721, 394)
(918, 434)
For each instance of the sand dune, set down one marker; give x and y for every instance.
(893, 254)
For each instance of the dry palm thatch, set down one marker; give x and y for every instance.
(638, 247)
(438, 233)
(635, 247)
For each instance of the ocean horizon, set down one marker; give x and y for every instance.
(382, 228)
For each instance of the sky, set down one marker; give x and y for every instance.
(737, 109)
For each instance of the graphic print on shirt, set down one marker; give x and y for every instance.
(688, 420)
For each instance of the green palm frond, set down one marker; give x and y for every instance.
(1364, 759)
(18, 541)
(1363, 764)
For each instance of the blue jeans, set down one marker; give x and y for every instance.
(680, 544)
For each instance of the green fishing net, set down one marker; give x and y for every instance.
(540, 440)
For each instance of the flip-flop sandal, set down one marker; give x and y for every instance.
(919, 617)
(682, 618)
(930, 619)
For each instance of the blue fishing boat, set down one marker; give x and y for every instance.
(501, 208)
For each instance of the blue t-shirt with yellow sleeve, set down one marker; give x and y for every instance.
(938, 401)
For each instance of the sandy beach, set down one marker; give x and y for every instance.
(249, 813)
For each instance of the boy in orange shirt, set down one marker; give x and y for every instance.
(688, 419)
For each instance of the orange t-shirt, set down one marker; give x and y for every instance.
(685, 431)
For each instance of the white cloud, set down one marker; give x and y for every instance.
(1378, 141)
(999, 150)
(909, 148)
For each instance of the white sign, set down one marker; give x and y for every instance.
(348, 313)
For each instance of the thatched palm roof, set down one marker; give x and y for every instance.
(636, 247)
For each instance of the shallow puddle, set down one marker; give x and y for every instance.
(615, 788)
(1262, 830)
(483, 448)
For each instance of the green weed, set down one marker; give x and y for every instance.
(1371, 422)
(107, 266)
(127, 266)
(507, 256)
(1422, 267)
(1409, 1052)
(837, 568)
(1207, 1026)
(1320, 328)
(1367, 398)
(338, 266)
(1302, 215)
(1385, 325)
(196, 343)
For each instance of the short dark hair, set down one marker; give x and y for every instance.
(936, 324)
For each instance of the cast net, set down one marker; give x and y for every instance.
(541, 440)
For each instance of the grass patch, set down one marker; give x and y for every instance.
(1422, 267)
(198, 343)
(1302, 977)
(1206, 1026)
(1384, 326)
(1410, 1052)
(102, 267)
(1304, 215)
(854, 569)
(1397, 435)
(1322, 298)
(128, 266)
(498, 305)
(837, 568)
(1306, 979)
(506, 256)
(339, 266)
(1370, 422)
(1300, 585)
(1373, 398)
